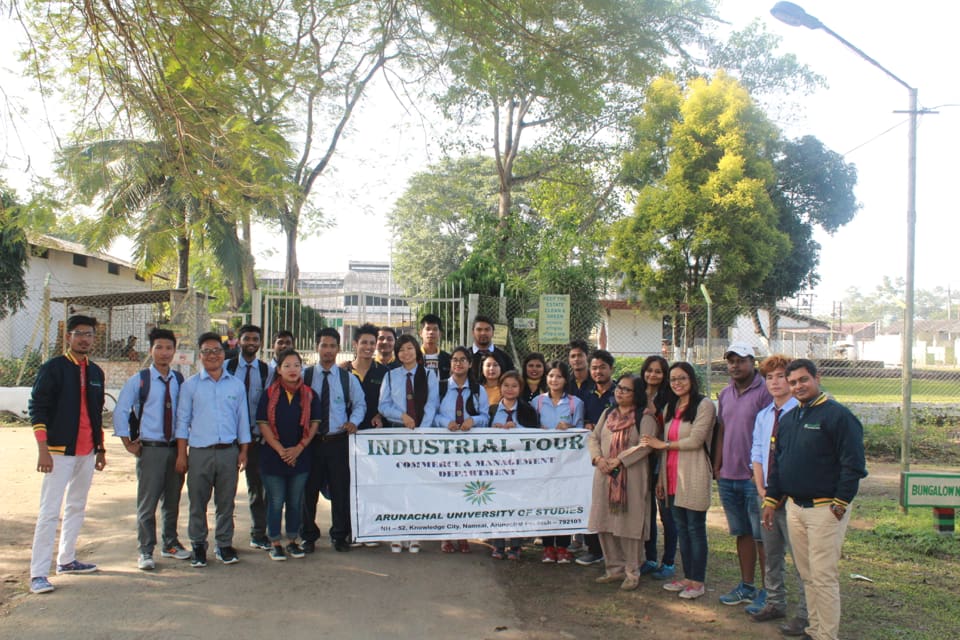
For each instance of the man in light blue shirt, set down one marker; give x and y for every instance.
(254, 374)
(213, 419)
(343, 406)
(154, 446)
(776, 540)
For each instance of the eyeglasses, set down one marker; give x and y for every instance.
(624, 389)
(679, 380)
(211, 352)
(83, 334)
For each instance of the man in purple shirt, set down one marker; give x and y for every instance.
(739, 403)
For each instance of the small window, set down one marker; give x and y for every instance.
(113, 268)
(79, 260)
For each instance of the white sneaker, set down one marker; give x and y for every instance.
(145, 562)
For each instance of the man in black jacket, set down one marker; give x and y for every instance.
(818, 464)
(66, 408)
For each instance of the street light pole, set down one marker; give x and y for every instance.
(794, 15)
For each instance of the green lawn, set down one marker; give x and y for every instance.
(888, 390)
(881, 390)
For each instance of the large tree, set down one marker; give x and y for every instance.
(252, 98)
(14, 253)
(702, 166)
(448, 231)
(814, 188)
(555, 74)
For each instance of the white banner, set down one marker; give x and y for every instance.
(484, 483)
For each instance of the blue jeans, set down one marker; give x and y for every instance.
(669, 533)
(284, 491)
(740, 505)
(692, 536)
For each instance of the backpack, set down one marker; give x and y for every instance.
(715, 450)
(474, 393)
(233, 363)
(134, 418)
(344, 383)
(540, 404)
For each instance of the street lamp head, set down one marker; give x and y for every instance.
(794, 15)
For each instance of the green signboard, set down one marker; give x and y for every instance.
(929, 489)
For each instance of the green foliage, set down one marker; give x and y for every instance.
(14, 254)
(750, 56)
(448, 228)
(885, 303)
(443, 213)
(10, 370)
(704, 213)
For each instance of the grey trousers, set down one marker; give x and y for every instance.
(256, 493)
(776, 543)
(157, 483)
(212, 471)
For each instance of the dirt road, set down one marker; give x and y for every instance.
(367, 593)
(362, 594)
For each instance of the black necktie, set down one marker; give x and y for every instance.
(325, 404)
(167, 410)
(411, 408)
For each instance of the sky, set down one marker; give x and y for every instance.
(855, 116)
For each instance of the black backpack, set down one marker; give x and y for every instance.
(134, 418)
(344, 383)
(474, 393)
(233, 363)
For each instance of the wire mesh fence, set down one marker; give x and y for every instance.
(124, 320)
(860, 362)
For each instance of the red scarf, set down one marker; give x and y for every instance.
(273, 397)
(619, 425)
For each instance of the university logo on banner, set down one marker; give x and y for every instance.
(483, 483)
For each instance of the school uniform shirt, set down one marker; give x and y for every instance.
(447, 411)
(569, 410)
(213, 411)
(393, 397)
(340, 413)
(255, 389)
(151, 415)
(524, 416)
(763, 432)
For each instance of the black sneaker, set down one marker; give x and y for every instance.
(260, 542)
(199, 557)
(227, 555)
(276, 553)
(294, 550)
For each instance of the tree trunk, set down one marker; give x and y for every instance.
(291, 273)
(249, 277)
(183, 262)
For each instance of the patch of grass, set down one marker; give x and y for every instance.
(928, 443)
(887, 390)
(914, 572)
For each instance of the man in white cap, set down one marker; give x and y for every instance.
(739, 403)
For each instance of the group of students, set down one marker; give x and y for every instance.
(287, 427)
